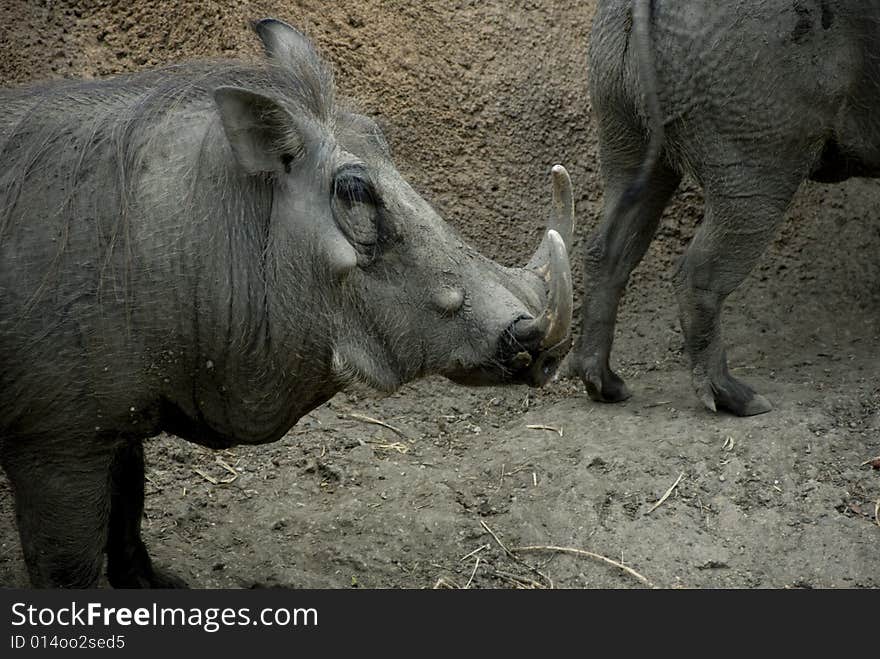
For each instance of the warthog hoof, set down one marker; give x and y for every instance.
(603, 385)
(134, 569)
(727, 393)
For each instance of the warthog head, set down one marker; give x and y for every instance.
(392, 287)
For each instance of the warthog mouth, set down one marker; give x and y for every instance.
(538, 369)
(514, 363)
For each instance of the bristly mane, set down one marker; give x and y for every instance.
(47, 119)
(53, 133)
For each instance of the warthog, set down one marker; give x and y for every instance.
(213, 249)
(749, 98)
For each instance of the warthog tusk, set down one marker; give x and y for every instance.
(561, 219)
(553, 324)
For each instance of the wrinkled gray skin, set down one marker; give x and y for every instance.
(748, 97)
(213, 250)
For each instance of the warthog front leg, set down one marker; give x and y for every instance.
(62, 504)
(128, 563)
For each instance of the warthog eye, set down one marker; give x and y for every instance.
(352, 187)
(357, 210)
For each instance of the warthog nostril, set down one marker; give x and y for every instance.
(448, 299)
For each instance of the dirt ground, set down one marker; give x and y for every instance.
(479, 98)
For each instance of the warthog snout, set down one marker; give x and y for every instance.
(539, 343)
(532, 345)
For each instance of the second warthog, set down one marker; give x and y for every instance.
(749, 98)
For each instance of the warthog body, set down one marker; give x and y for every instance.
(750, 98)
(213, 249)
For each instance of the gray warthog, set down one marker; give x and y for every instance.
(213, 249)
(750, 98)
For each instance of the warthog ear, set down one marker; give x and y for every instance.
(263, 135)
(281, 41)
